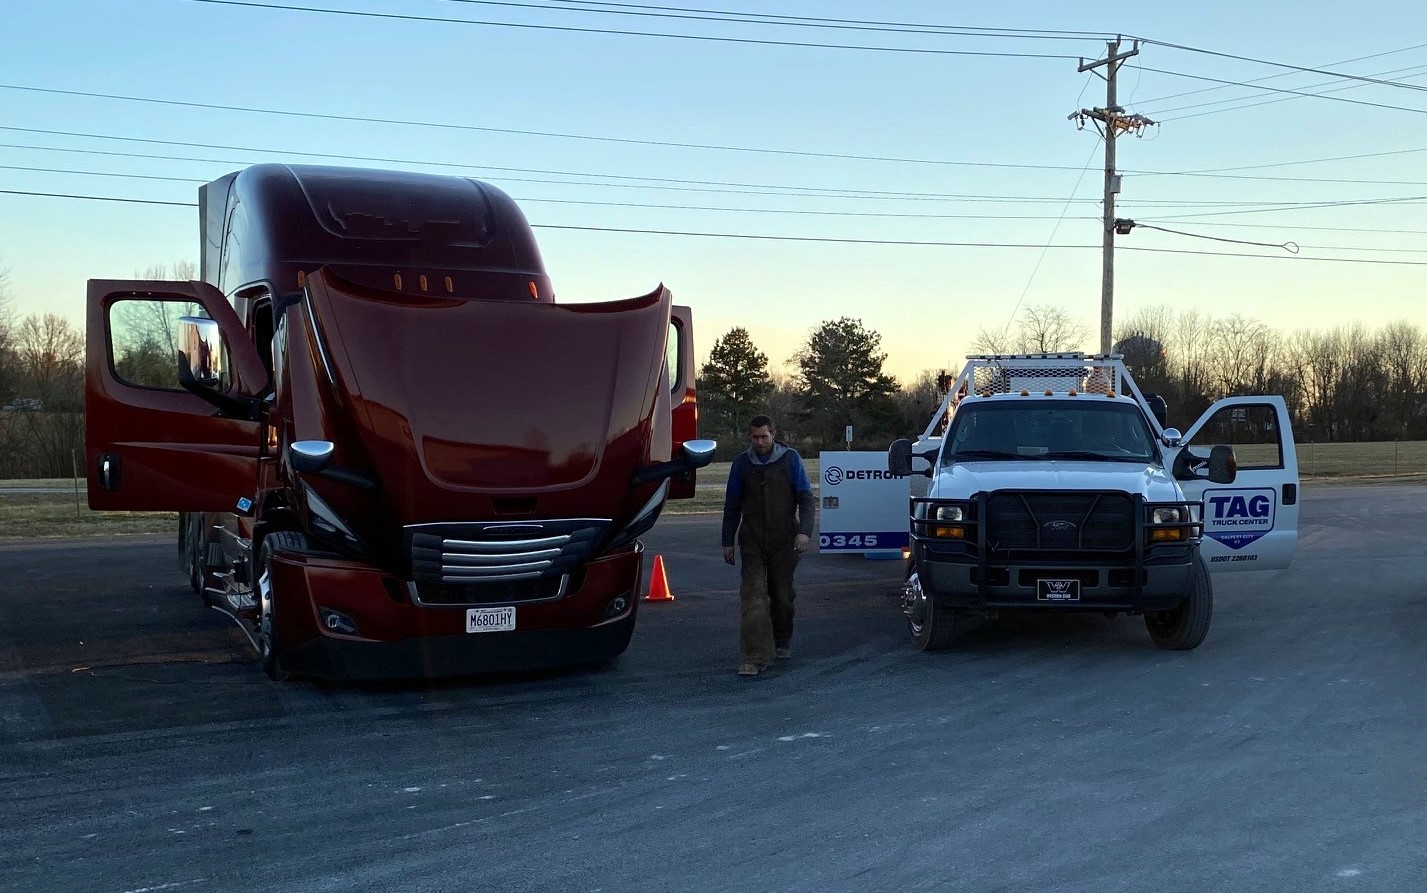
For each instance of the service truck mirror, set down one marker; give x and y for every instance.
(1223, 468)
(899, 459)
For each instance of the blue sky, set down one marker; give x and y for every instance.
(960, 112)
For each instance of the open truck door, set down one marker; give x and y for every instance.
(1252, 523)
(683, 399)
(152, 445)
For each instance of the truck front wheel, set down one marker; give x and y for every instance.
(191, 547)
(930, 624)
(269, 648)
(1183, 627)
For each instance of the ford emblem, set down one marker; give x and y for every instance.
(1060, 526)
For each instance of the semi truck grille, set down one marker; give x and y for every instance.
(496, 593)
(1065, 522)
(488, 553)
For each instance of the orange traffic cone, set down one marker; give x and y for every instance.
(658, 583)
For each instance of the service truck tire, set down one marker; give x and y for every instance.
(1183, 627)
(270, 651)
(930, 623)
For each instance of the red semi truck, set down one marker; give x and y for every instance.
(392, 451)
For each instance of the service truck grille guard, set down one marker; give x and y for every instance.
(1102, 513)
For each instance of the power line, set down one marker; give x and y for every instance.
(1418, 199)
(755, 18)
(1254, 167)
(409, 17)
(932, 28)
(591, 203)
(1290, 247)
(1298, 68)
(810, 239)
(1270, 77)
(898, 197)
(98, 198)
(1243, 103)
(464, 166)
(859, 196)
(1362, 102)
(680, 180)
(441, 125)
(1325, 229)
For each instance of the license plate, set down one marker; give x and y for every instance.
(1058, 590)
(490, 620)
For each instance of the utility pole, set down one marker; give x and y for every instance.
(1110, 121)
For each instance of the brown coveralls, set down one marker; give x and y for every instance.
(768, 523)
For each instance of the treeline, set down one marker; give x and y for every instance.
(1349, 383)
(42, 364)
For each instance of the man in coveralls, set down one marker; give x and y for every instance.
(769, 505)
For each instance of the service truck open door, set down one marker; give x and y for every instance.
(1251, 524)
(151, 445)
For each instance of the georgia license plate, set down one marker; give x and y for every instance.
(490, 620)
(1058, 590)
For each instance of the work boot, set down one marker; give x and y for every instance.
(749, 669)
(783, 652)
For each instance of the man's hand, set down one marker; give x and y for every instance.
(728, 555)
(800, 544)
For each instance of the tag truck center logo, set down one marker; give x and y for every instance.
(1238, 517)
(834, 475)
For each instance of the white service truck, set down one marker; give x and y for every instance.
(1049, 481)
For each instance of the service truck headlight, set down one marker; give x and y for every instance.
(950, 513)
(1173, 515)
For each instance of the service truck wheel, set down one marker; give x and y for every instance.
(930, 624)
(269, 649)
(1182, 628)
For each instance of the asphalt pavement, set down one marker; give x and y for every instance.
(141, 748)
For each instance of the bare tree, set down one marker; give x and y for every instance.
(44, 427)
(1042, 328)
(7, 358)
(1242, 356)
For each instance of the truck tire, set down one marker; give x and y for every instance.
(930, 623)
(1183, 627)
(270, 650)
(190, 544)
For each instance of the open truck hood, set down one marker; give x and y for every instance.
(482, 408)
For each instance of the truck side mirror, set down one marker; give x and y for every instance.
(200, 351)
(1223, 467)
(310, 456)
(698, 453)
(899, 457)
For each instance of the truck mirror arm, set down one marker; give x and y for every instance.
(249, 409)
(694, 454)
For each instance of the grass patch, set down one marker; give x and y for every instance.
(54, 515)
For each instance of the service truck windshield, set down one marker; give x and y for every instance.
(1024, 429)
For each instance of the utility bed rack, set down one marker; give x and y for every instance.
(987, 375)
